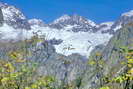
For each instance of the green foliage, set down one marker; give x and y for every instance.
(106, 87)
(14, 75)
(17, 72)
(97, 60)
(127, 76)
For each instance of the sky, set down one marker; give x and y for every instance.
(96, 10)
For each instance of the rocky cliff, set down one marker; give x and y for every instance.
(1, 17)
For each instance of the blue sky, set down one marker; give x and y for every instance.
(96, 10)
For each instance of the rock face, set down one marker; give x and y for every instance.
(111, 54)
(122, 38)
(105, 27)
(65, 69)
(1, 17)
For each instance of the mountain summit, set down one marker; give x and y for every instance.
(14, 17)
(78, 23)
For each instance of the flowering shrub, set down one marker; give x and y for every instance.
(17, 72)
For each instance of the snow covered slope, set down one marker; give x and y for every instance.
(8, 33)
(79, 42)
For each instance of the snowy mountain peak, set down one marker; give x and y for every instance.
(62, 18)
(14, 17)
(76, 22)
(74, 19)
(83, 20)
(37, 22)
(10, 11)
(129, 14)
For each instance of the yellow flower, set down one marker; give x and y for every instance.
(105, 87)
(14, 75)
(119, 79)
(17, 56)
(5, 80)
(13, 55)
(27, 88)
(131, 71)
(129, 65)
(91, 62)
(127, 57)
(10, 67)
(98, 54)
(123, 62)
(40, 83)
(34, 86)
(101, 62)
(130, 61)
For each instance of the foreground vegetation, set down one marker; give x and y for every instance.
(123, 78)
(18, 71)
